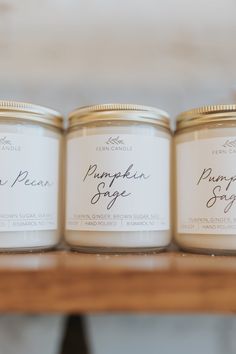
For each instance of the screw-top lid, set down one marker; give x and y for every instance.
(206, 114)
(30, 112)
(118, 112)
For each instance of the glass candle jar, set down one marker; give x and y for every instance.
(30, 139)
(117, 197)
(205, 145)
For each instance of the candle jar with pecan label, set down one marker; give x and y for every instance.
(30, 144)
(205, 157)
(117, 193)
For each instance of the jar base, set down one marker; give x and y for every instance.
(117, 250)
(36, 249)
(208, 251)
(118, 241)
(209, 244)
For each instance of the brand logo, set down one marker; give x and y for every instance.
(7, 145)
(5, 141)
(230, 143)
(114, 141)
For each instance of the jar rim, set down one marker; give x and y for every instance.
(118, 112)
(206, 114)
(30, 112)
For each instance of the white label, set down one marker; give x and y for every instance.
(206, 186)
(118, 183)
(28, 182)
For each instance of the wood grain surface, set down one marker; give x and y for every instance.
(67, 282)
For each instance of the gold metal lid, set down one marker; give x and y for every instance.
(118, 112)
(206, 114)
(30, 112)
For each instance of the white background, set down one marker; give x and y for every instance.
(175, 54)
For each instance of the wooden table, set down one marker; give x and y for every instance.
(67, 282)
